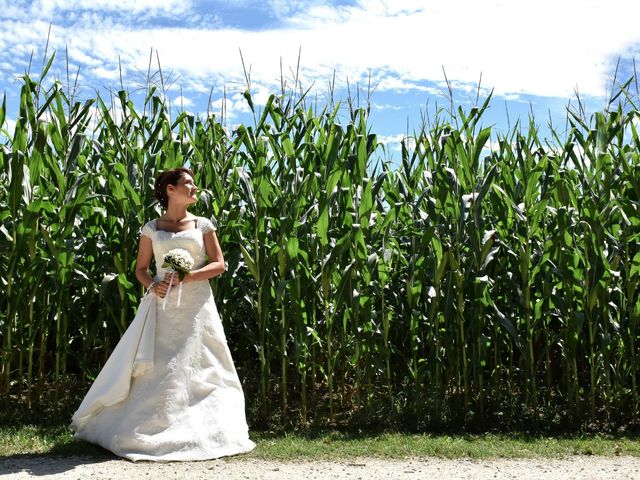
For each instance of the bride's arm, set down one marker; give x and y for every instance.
(145, 254)
(215, 266)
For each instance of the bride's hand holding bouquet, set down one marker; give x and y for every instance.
(178, 263)
(169, 281)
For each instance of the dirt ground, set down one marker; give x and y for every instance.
(582, 468)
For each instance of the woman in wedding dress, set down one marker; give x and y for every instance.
(170, 391)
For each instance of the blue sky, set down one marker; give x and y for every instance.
(534, 55)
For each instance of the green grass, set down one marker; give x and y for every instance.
(28, 440)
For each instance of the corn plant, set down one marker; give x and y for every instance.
(477, 277)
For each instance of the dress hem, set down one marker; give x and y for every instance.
(176, 456)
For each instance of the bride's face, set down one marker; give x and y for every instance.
(185, 190)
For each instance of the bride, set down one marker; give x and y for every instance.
(170, 391)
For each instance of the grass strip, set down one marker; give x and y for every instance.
(29, 440)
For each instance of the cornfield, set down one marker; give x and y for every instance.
(481, 278)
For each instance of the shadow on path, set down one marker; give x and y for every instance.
(57, 460)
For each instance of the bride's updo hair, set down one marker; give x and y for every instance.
(168, 177)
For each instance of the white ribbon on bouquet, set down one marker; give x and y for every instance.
(164, 302)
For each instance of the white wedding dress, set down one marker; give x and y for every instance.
(169, 391)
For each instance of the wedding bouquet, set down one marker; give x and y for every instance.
(179, 261)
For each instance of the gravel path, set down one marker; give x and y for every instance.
(582, 468)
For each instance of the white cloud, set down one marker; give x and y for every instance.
(545, 49)
(513, 97)
(21, 9)
(400, 85)
(385, 106)
(106, 73)
(391, 138)
(393, 143)
(83, 58)
(182, 101)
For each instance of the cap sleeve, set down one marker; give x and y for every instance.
(148, 229)
(206, 225)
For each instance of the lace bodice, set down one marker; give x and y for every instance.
(191, 240)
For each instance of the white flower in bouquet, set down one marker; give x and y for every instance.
(179, 260)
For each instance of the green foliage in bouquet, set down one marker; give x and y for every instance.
(179, 260)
